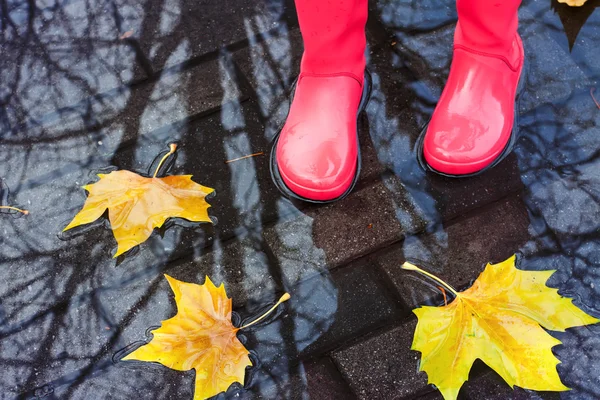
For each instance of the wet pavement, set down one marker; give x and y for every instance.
(92, 84)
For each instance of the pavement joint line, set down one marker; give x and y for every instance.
(345, 380)
(123, 146)
(383, 248)
(176, 69)
(390, 290)
(515, 193)
(379, 250)
(373, 252)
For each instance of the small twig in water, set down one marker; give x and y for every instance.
(260, 153)
(592, 90)
(126, 35)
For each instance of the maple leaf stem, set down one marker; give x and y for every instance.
(411, 267)
(172, 148)
(283, 298)
(15, 209)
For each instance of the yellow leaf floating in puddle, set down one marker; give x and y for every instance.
(136, 204)
(201, 337)
(498, 320)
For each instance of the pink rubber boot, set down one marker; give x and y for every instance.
(472, 128)
(316, 155)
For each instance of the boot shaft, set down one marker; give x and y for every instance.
(334, 36)
(488, 25)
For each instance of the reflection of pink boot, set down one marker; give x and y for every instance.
(316, 156)
(473, 126)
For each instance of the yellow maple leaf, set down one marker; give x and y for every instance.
(201, 337)
(573, 3)
(498, 320)
(136, 204)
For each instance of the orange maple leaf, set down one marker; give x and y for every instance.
(136, 204)
(201, 337)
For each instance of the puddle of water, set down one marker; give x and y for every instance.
(68, 311)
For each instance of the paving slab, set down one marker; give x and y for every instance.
(317, 379)
(243, 263)
(341, 232)
(79, 49)
(491, 386)
(58, 54)
(394, 372)
(187, 30)
(364, 304)
(325, 381)
(271, 67)
(458, 252)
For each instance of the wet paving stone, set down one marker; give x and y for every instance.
(88, 134)
(271, 67)
(325, 382)
(344, 231)
(394, 374)
(242, 263)
(58, 53)
(491, 386)
(123, 381)
(458, 252)
(192, 29)
(84, 49)
(435, 396)
(364, 303)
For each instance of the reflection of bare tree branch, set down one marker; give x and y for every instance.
(75, 98)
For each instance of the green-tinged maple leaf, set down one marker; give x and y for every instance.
(499, 320)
